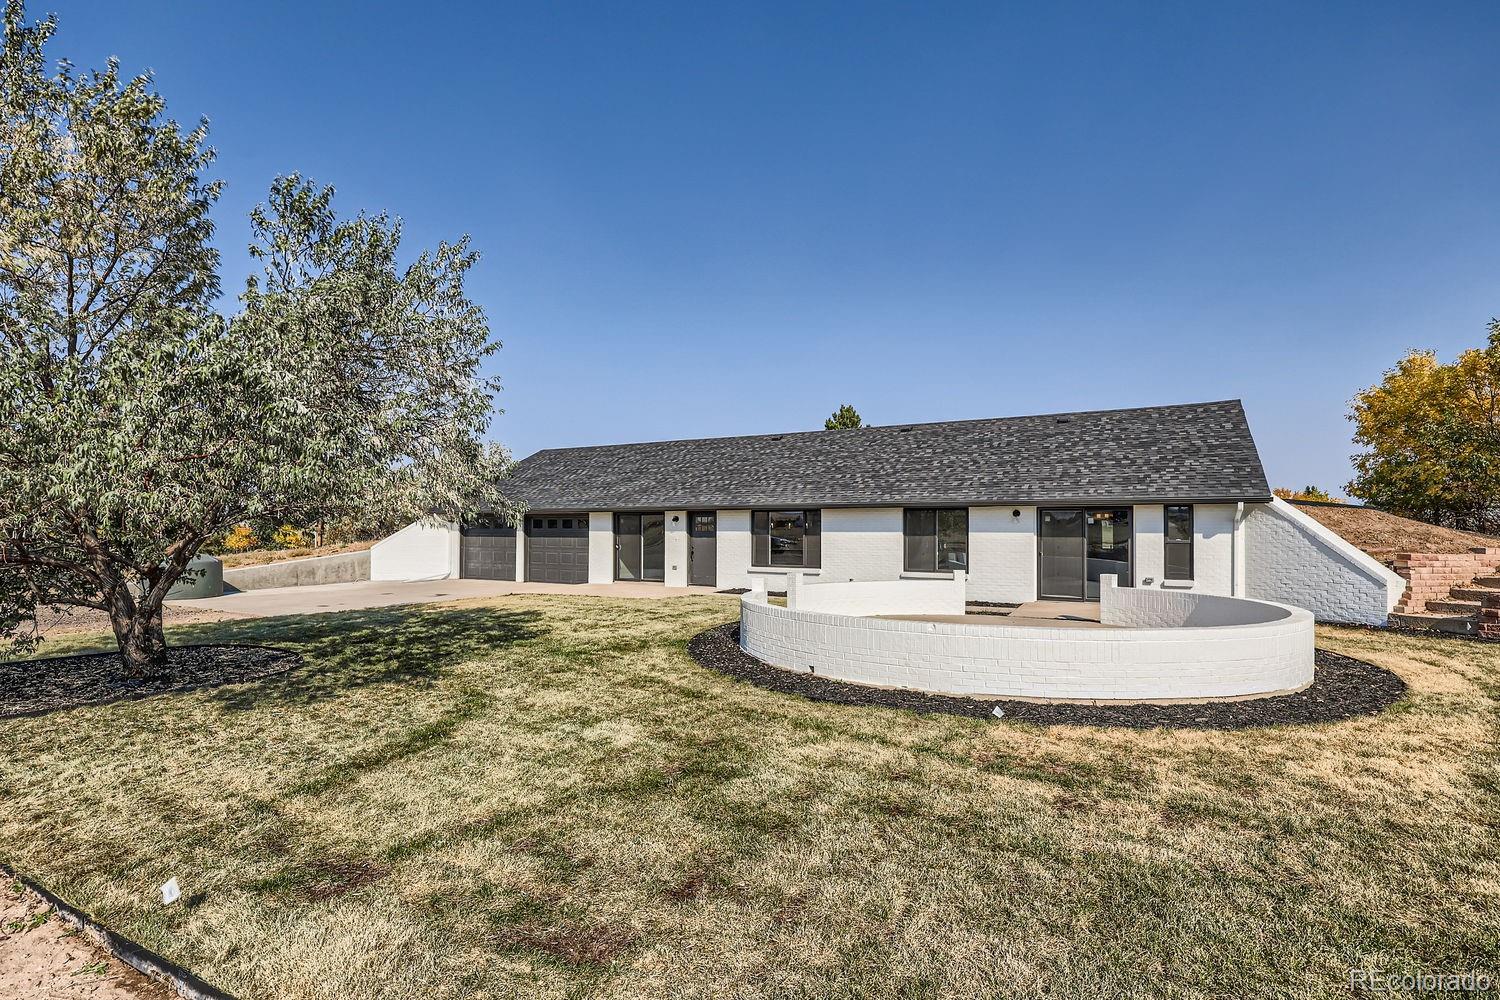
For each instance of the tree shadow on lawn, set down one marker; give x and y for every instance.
(347, 650)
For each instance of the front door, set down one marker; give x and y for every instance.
(1075, 546)
(703, 549)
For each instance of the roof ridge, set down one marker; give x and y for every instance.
(777, 435)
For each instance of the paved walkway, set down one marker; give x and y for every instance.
(383, 594)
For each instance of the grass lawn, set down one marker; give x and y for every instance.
(544, 796)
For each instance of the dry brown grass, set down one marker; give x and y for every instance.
(1383, 535)
(260, 557)
(541, 796)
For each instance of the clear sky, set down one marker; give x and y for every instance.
(703, 219)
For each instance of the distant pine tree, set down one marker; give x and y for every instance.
(844, 418)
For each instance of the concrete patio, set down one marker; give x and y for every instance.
(1041, 614)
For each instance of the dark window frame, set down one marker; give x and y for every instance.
(1168, 543)
(761, 556)
(937, 536)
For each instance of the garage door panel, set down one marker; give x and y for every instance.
(557, 548)
(487, 551)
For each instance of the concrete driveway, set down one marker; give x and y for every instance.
(382, 594)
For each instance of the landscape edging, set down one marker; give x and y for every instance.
(140, 958)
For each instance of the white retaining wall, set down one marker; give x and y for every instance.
(1136, 607)
(882, 597)
(1292, 558)
(425, 550)
(1062, 664)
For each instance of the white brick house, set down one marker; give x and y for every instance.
(1169, 497)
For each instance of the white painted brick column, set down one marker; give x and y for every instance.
(675, 572)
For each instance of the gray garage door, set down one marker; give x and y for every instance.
(487, 549)
(557, 548)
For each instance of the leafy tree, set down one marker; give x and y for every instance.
(137, 422)
(1432, 438)
(1305, 493)
(845, 417)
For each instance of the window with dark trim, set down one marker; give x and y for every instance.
(786, 538)
(1178, 542)
(937, 539)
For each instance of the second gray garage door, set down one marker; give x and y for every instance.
(557, 548)
(487, 549)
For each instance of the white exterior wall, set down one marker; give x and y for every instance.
(1002, 554)
(602, 546)
(878, 597)
(1292, 558)
(1213, 548)
(733, 555)
(861, 543)
(424, 550)
(675, 572)
(1121, 664)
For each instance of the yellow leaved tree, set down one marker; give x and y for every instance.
(1431, 434)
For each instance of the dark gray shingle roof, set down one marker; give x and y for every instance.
(1197, 451)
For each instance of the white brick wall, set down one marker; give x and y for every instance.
(1213, 548)
(861, 543)
(878, 597)
(1002, 554)
(425, 550)
(675, 572)
(1291, 558)
(733, 554)
(601, 546)
(1017, 661)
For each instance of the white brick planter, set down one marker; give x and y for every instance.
(1180, 646)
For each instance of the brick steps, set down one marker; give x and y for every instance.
(1450, 592)
(1472, 593)
(1454, 607)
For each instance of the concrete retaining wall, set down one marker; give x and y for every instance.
(343, 567)
(204, 577)
(1061, 664)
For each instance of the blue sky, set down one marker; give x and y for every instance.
(715, 219)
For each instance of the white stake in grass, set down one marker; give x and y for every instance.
(171, 892)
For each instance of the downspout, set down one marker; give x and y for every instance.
(1234, 549)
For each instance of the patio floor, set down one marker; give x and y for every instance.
(1037, 614)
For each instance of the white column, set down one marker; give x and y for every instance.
(602, 546)
(677, 548)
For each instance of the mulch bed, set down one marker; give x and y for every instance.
(36, 687)
(1342, 688)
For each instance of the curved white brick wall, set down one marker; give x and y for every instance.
(1062, 664)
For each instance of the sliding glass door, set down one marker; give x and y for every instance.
(1060, 564)
(640, 546)
(1077, 545)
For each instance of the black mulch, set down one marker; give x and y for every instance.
(1342, 688)
(36, 687)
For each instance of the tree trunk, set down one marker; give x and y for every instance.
(138, 630)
